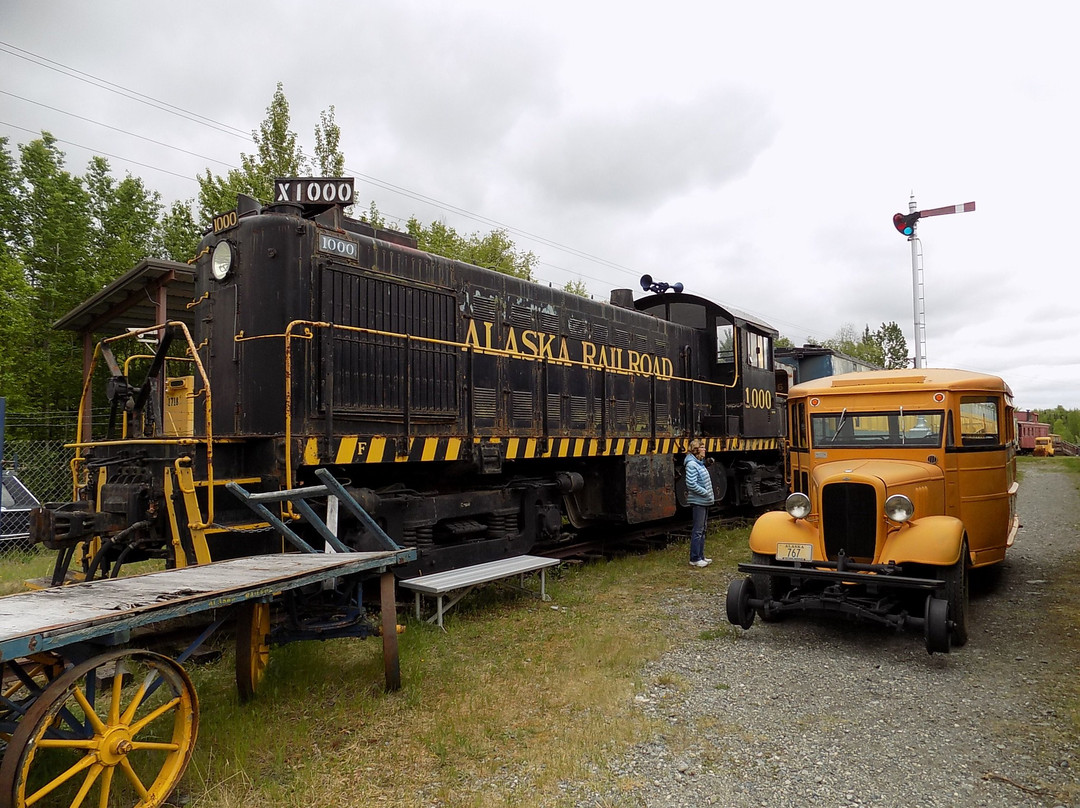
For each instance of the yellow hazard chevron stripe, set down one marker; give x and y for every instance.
(351, 449)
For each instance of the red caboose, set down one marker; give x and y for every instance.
(1028, 428)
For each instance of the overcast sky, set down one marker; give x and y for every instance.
(756, 152)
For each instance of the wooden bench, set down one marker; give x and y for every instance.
(462, 581)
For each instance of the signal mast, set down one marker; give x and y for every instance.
(905, 225)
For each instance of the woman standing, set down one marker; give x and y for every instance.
(699, 495)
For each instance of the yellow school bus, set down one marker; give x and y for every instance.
(901, 481)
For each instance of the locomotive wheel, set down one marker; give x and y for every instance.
(115, 731)
(252, 647)
(956, 592)
(767, 587)
(739, 612)
(936, 625)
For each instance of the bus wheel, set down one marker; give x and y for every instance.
(936, 625)
(956, 593)
(739, 611)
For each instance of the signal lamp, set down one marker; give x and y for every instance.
(905, 223)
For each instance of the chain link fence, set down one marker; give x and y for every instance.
(35, 471)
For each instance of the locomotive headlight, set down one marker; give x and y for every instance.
(898, 508)
(797, 505)
(221, 260)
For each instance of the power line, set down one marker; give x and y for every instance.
(132, 95)
(379, 183)
(122, 131)
(236, 132)
(103, 153)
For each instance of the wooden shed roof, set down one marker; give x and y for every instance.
(131, 300)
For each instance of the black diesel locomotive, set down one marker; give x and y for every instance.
(473, 414)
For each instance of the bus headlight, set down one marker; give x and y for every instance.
(797, 505)
(898, 508)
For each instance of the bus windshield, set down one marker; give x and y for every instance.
(872, 430)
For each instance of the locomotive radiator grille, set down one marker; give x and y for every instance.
(849, 519)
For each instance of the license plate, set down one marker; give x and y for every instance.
(786, 551)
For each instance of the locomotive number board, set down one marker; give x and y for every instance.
(314, 190)
(337, 245)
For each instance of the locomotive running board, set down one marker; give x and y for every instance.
(297, 496)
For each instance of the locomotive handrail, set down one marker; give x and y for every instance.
(241, 337)
(307, 334)
(207, 440)
(308, 326)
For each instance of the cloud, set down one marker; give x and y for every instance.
(640, 157)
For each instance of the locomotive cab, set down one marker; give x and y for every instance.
(737, 403)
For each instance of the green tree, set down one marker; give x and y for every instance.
(125, 221)
(16, 330)
(885, 347)
(1059, 427)
(1072, 425)
(848, 341)
(54, 249)
(179, 234)
(10, 219)
(329, 159)
(495, 250)
(373, 217)
(16, 322)
(783, 342)
(893, 345)
(576, 287)
(277, 154)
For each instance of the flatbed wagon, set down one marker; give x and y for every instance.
(85, 719)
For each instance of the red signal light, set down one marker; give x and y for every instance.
(905, 223)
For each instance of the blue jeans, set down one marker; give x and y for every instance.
(697, 535)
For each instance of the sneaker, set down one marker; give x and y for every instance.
(708, 560)
(702, 563)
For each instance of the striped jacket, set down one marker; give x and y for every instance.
(699, 490)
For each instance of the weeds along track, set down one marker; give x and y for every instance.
(608, 542)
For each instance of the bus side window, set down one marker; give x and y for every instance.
(979, 422)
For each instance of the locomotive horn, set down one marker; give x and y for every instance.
(659, 287)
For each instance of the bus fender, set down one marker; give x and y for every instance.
(933, 540)
(778, 526)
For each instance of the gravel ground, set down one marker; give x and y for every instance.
(813, 711)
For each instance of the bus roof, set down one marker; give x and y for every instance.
(883, 381)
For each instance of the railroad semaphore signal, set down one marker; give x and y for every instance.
(905, 226)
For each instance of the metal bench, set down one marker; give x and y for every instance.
(462, 581)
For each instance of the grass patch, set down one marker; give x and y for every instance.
(18, 567)
(513, 699)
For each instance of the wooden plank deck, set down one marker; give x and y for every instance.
(45, 619)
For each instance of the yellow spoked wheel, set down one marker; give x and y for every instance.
(252, 647)
(115, 731)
